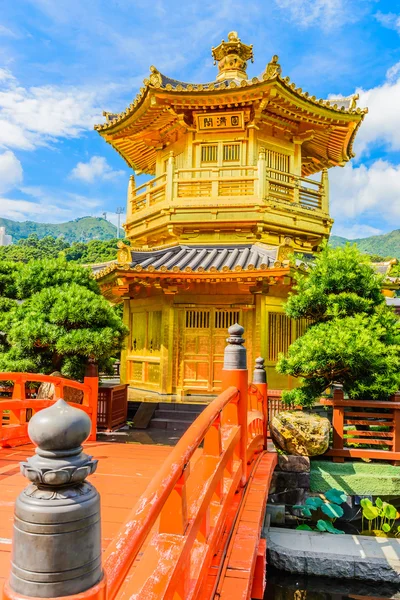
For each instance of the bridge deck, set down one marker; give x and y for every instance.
(122, 475)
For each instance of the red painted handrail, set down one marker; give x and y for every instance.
(123, 550)
(16, 431)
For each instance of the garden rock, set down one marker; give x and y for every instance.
(300, 433)
(293, 464)
(47, 391)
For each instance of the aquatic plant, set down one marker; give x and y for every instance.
(381, 518)
(323, 511)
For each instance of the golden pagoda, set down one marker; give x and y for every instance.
(234, 193)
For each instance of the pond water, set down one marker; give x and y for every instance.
(285, 586)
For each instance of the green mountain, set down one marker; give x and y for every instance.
(80, 230)
(386, 245)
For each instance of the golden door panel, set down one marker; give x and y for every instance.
(139, 326)
(204, 341)
(145, 347)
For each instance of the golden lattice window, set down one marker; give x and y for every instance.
(209, 153)
(226, 318)
(280, 334)
(231, 152)
(197, 319)
(276, 161)
(301, 326)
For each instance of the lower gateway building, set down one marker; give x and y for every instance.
(240, 182)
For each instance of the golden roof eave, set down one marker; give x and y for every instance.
(206, 89)
(153, 109)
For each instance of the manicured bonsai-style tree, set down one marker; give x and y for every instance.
(60, 322)
(353, 337)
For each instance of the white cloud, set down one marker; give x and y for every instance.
(49, 206)
(10, 171)
(389, 20)
(37, 116)
(366, 192)
(355, 231)
(382, 123)
(393, 74)
(327, 13)
(96, 169)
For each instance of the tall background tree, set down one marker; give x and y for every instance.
(59, 321)
(353, 338)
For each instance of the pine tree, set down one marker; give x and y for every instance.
(353, 337)
(60, 321)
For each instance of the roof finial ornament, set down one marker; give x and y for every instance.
(155, 78)
(232, 57)
(273, 68)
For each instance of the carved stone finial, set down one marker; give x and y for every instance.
(259, 373)
(235, 353)
(58, 433)
(58, 514)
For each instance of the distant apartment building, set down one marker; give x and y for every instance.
(5, 240)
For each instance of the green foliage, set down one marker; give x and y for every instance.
(354, 338)
(60, 321)
(341, 283)
(33, 248)
(386, 245)
(79, 230)
(92, 252)
(40, 274)
(380, 517)
(317, 507)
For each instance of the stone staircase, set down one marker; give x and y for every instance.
(175, 417)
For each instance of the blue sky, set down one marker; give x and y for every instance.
(62, 62)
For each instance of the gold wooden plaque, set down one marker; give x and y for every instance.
(223, 121)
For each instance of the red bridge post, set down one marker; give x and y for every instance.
(235, 374)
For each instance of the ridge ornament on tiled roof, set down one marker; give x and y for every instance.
(232, 57)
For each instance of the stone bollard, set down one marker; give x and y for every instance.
(235, 352)
(56, 542)
(260, 381)
(259, 373)
(234, 373)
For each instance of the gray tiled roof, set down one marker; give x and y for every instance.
(205, 258)
(393, 302)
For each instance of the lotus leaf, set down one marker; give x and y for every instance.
(370, 512)
(379, 503)
(336, 496)
(386, 527)
(331, 528)
(321, 525)
(304, 527)
(314, 502)
(332, 510)
(389, 511)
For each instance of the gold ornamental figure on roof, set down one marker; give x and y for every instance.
(232, 57)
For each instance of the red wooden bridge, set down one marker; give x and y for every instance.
(181, 523)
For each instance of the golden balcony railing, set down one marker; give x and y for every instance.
(259, 182)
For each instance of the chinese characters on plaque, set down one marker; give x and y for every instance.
(215, 121)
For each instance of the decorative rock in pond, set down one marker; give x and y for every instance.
(300, 433)
(293, 464)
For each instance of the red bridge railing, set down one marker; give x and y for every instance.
(16, 411)
(181, 523)
(175, 530)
